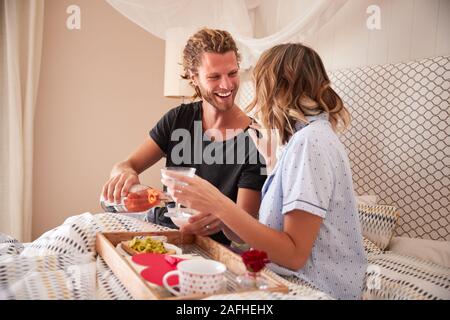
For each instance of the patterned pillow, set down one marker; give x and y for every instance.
(370, 247)
(398, 277)
(378, 223)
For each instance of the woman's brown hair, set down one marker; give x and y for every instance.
(291, 83)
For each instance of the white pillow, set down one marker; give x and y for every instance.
(393, 276)
(367, 199)
(431, 250)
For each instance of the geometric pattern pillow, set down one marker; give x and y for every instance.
(371, 248)
(378, 223)
(392, 276)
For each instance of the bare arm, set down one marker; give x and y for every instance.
(290, 247)
(125, 173)
(249, 201)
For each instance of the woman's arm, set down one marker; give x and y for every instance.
(248, 200)
(290, 247)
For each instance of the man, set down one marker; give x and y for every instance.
(209, 135)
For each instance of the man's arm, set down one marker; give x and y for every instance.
(249, 200)
(146, 155)
(125, 173)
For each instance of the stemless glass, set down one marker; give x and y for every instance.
(185, 171)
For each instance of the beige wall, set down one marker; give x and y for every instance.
(101, 87)
(100, 91)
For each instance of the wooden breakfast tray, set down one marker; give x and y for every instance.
(190, 244)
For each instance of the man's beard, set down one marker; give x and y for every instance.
(219, 103)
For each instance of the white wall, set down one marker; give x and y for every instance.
(410, 30)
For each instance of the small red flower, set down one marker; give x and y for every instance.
(254, 260)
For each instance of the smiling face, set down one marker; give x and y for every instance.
(217, 78)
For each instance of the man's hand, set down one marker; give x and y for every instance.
(202, 224)
(119, 185)
(125, 173)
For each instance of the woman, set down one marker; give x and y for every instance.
(308, 219)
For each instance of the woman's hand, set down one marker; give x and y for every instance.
(194, 192)
(266, 145)
(202, 224)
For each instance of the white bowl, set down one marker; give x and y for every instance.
(180, 221)
(180, 218)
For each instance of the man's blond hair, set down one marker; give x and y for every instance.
(205, 40)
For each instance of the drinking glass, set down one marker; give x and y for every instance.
(185, 171)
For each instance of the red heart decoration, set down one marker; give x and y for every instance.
(158, 265)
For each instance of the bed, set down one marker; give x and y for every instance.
(399, 151)
(63, 264)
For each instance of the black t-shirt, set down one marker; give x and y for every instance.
(228, 165)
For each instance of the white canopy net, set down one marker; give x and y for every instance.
(158, 16)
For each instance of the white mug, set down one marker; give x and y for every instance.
(197, 276)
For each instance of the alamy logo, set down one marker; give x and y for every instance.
(374, 20)
(80, 279)
(233, 147)
(73, 279)
(373, 277)
(73, 21)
